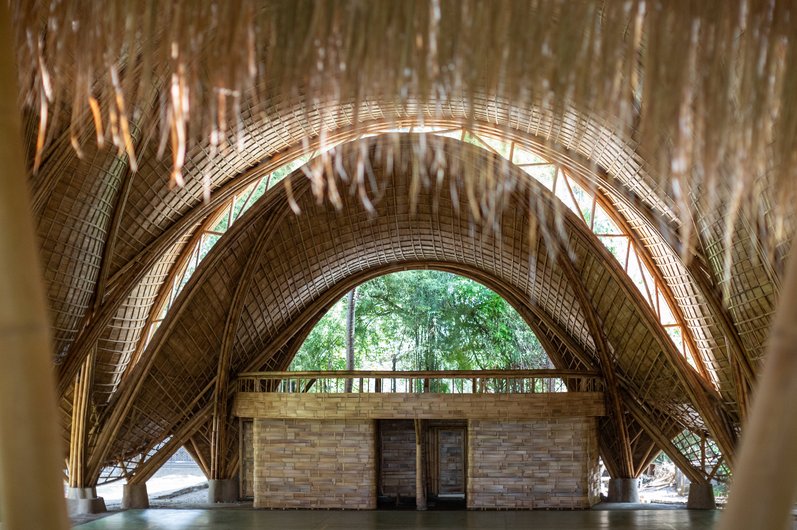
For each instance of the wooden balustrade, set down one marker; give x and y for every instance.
(419, 381)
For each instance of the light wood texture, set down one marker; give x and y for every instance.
(411, 406)
(765, 481)
(31, 455)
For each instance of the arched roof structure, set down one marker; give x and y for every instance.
(114, 235)
(107, 267)
(316, 255)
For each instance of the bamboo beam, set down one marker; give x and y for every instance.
(704, 398)
(607, 366)
(125, 280)
(181, 436)
(218, 442)
(199, 457)
(31, 457)
(765, 479)
(110, 242)
(644, 254)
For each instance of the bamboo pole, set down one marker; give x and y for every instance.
(80, 418)
(420, 466)
(31, 457)
(765, 480)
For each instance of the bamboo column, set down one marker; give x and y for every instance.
(765, 479)
(80, 418)
(420, 466)
(31, 457)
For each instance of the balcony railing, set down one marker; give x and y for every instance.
(441, 382)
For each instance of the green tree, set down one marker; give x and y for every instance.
(425, 320)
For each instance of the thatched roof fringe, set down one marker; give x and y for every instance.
(705, 88)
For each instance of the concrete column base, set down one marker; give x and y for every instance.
(701, 497)
(623, 490)
(135, 496)
(223, 490)
(80, 501)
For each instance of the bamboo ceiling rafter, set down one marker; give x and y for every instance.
(615, 217)
(652, 269)
(607, 364)
(138, 261)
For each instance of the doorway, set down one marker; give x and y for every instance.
(445, 462)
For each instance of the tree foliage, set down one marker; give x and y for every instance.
(424, 320)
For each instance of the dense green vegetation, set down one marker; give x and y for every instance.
(423, 320)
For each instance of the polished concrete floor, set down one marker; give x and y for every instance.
(219, 518)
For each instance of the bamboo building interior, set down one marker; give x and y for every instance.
(190, 187)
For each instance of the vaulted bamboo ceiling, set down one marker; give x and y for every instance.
(112, 238)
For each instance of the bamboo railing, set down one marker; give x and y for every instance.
(420, 381)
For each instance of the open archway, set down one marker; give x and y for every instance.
(421, 320)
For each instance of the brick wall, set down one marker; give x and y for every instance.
(314, 464)
(532, 464)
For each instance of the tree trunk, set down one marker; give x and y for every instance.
(351, 302)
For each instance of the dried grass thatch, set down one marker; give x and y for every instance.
(707, 89)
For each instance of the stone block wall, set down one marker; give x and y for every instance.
(397, 458)
(421, 406)
(247, 474)
(314, 464)
(537, 464)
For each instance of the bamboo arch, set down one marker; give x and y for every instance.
(184, 359)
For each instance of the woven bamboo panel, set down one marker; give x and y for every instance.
(122, 336)
(151, 207)
(73, 230)
(397, 458)
(752, 287)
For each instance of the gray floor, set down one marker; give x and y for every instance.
(241, 518)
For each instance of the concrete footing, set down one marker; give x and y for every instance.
(80, 501)
(623, 490)
(135, 496)
(701, 497)
(223, 490)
